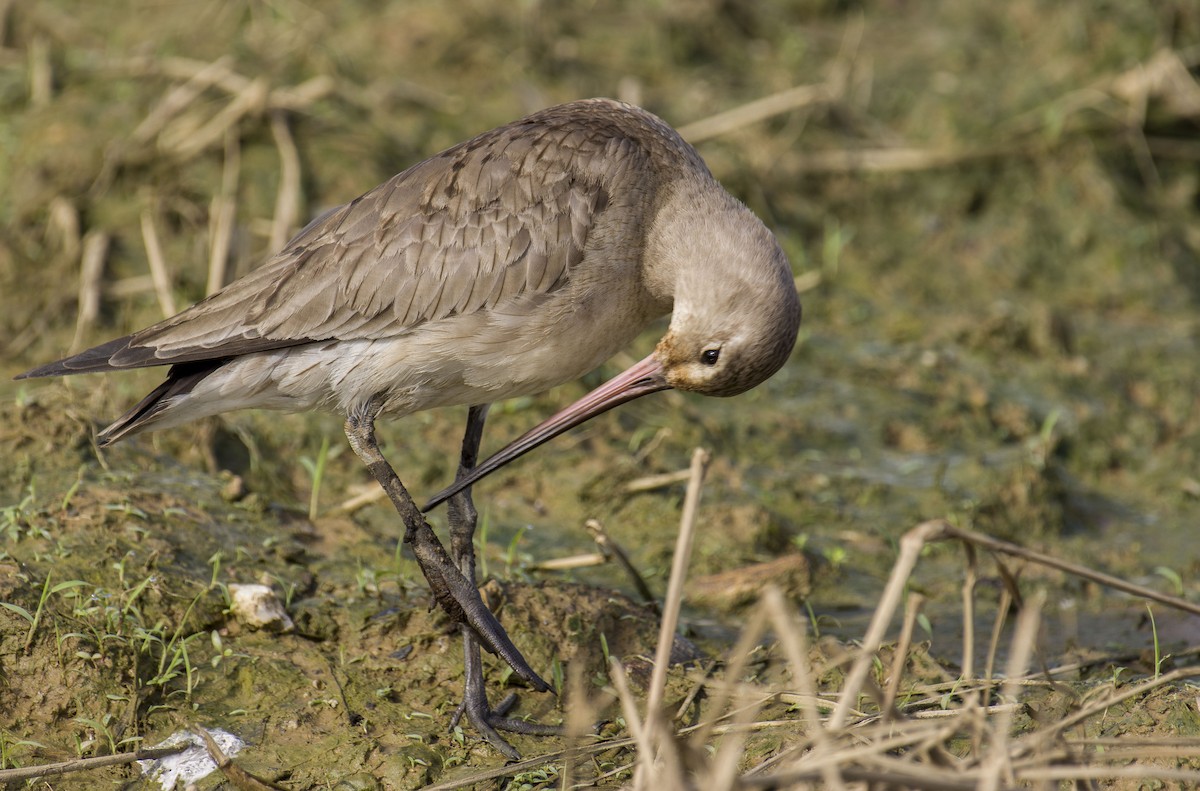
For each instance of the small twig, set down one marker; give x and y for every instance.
(358, 501)
(996, 545)
(649, 483)
(158, 265)
(584, 561)
(87, 764)
(241, 779)
(611, 548)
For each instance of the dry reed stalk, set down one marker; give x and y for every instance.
(657, 728)
(996, 764)
(183, 140)
(179, 98)
(91, 284)
(791, 634)
(679, 565)
(910, 549)
(222, 213)
(158, 265)
(912, 608)
(41, 72)
(287, 201)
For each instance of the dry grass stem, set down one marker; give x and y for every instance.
(996, 763)
(649, 483)
(179, 98)
(222, 213)
(184, 140)
(679, 565)
(910, 549)
(158, 265)
(41, 72)
(26, 773)
(372, 493)
(91, 285)
(912, 608)
(896, 160)
(287, 202)
(586, 560)
(946, 530)
(1001, 618)
(756, 111)
(970, 579)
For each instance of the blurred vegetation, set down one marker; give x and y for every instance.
(993, 209)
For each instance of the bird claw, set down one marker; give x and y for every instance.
(490, 721)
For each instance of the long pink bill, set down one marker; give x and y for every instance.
(638, 380)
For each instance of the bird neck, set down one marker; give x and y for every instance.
(682, 233)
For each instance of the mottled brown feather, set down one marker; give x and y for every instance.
(504, 215)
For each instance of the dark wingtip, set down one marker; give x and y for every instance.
(98, 358)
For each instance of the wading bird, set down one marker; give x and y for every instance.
(506, 265)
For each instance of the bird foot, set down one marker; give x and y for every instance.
(490, 721)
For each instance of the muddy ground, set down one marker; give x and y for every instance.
(992, 209)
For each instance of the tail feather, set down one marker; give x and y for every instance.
(151, 409)
(93, 360)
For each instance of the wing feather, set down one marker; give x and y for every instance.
(506, 214)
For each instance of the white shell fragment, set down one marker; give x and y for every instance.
(257, 607)
(184, 768)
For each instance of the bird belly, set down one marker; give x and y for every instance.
(473, 359)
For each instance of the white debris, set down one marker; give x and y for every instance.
(191, 764)
(257, 607)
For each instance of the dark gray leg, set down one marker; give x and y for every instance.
(456, 595)
(462, 517)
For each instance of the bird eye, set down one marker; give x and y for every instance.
(710, 356)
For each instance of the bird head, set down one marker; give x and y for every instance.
(734, 319)
(736, 311)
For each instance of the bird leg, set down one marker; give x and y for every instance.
(462, 517)
(459, 598)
